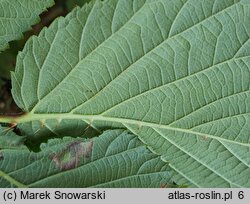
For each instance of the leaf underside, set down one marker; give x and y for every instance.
(176, 73)
(17, 16)
(106, 161)
(9, 140)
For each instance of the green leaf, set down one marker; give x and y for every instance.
(9, 140)
(175, 73)
(245, 1)
(106, 161)
(17, 17)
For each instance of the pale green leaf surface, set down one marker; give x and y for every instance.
(176, 73)
(9, 140)
(106, 161)
(17, 16)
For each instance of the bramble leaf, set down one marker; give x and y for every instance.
(176, 73)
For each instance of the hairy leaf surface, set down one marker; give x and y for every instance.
(106, 161)
(17, 16)
(176, 73)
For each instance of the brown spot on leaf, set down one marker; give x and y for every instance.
(72, 154)
(204, 137)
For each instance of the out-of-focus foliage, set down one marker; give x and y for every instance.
(8, 58)
(7, 104)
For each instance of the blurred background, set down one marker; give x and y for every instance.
(8, 57)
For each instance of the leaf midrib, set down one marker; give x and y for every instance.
(92, 118)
